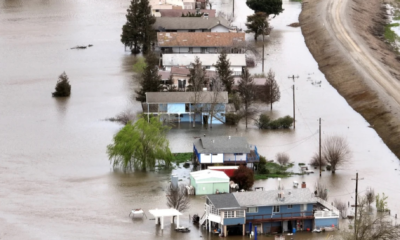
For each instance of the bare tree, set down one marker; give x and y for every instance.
(228, 17)
(370, 195)
(196, 81)
(177, 197)
(341, 206)
(335, 151)
(246, 91)
(124, 117)
(271, 89)
(315, 161)
(282, 158)
(372, 227)
(321, 191)
(215, 107)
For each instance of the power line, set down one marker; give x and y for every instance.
(306, 138)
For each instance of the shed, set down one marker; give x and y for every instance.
(209, 182)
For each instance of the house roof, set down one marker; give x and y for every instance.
(204, 176)
(189, 23)
(183, 97)
(164, 75)
(270, 198)
(225, 144)
(224, 201)
(180, 70)
(179, 12)
(199, 39)
(205, 59)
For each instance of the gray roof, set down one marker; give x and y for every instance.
(183, 97)
(226, 144)
(189, 23)
(270, 198)
(224, 201)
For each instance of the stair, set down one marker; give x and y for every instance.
(203, 219)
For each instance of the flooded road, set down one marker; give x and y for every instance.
(55, 180)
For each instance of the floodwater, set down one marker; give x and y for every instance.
(55, 179)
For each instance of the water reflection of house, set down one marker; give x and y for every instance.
(271, 211)
(181, 106)
(226, 150)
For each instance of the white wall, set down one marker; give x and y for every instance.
(219, 28)
(231, 157)
(218, 158)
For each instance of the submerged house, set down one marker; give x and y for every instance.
(271, 211)
(186, 106)
(208, 181)
(200, 42)
(191, 24)
(226, 150)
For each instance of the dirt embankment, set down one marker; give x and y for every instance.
(343, 67)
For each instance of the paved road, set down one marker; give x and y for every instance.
(337, 20)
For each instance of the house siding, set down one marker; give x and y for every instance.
(176, 108)
(219, 28)
(326, 222)
(284, 212)
(233, 221)
(211, 188)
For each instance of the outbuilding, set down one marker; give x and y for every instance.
(207, 182)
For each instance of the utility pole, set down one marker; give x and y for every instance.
(233, 9)
(293, 77)
(294, 111)
(320, 157)
(270, 94)
(355, 214)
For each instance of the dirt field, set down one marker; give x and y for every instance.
(345, 38)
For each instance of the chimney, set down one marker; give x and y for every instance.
(303, 185)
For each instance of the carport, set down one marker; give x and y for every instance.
(159, 215)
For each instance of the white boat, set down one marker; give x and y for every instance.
(137, 213)
(317, 230)
(295, 184)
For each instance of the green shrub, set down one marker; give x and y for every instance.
(63, 88)
(232, 119)
(264, 122)
(328, 168)
(139, 65)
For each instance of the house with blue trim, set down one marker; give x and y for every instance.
(187, 106)
(274, 211)
(226, 150)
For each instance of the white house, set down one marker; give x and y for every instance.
(191, 24)
(238, 61)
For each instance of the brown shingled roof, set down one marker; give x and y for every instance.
(199, 39)
(178, 12)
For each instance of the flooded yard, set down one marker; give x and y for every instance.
(56, 181)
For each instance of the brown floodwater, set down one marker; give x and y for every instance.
(55, 178)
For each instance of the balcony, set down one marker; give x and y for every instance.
(279, 217)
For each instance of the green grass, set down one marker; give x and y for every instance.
(390, 35)
(275, 171)
(182, 157)
(302, 164)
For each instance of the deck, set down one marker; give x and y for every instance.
(278, 217)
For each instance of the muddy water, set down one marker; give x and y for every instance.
(56, 182)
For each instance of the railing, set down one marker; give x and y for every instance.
(279, 216)
(323, 214)
(327, 205)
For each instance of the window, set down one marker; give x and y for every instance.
(239, 213)
(252, 209)
(208, 67)
(229, 214)
(276, 209)
(304, 207)
(238, 154)
(289, 206)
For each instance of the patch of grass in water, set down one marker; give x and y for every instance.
(182, 157)
(390, 35)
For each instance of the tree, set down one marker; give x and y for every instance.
(282, 158)
(139, 65)
(267, 6)
(243, 176)
(215, 107)
(63, 88)
(246, 91)
(370, 195)
(321, 191)
(335, 151)
(178, 198)
(143, 144)
(196, 80)
(341, 206)
(150, 79)
(257, 24)
(381, 203)
(315, 162)
(271, 89)
(138, 29)
(371, 227)
(131, 30)
(224, 72)
(147, 20)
